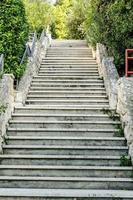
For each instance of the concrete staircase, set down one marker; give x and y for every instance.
(61, 144)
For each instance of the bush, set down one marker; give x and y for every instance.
(111, 23)
(13, 35)
(75, 20)
(39, 14)
(59, 26)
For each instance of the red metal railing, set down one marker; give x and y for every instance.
(128, 58)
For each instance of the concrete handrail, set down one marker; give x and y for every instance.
(2, 63)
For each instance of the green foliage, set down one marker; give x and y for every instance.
(125, 161)
(60, 15)
(112, 114)
(111, 23)
(2, 109)
(39, 14)
(75, 20)
(120, 132)
(13, 34)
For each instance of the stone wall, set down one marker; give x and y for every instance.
(119, 91)
(31, 70)
(7, 98)
(125, 109)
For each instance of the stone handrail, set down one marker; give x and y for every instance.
(7, 97)
(119, 91)
(1, 63)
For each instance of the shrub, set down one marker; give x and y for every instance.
(111, 23)
(39, 14)
(75, 20)
(13, 34)
(60, 15)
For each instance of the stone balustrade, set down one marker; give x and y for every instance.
(119, 91)
(7, 100)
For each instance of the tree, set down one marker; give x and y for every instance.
(39, 14)
(111, 23)
(13, 35)
(76, 19)
(60, 13)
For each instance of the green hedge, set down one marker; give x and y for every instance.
(111, 23)
(13, 35)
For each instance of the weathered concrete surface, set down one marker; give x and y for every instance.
(110, 76)
(125, 108)
(31, 70)
(119, 90)
(101, 53)
(108, 71)
(7, 96)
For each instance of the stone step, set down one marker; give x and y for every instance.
(64, 62)
(72, 48)
(68, 55)
(63, 124)
(69, 71)
(66, 182)
(69, 75)
(69, 93)
(68, 58)
(70, 65)
(69, 50)
(71, 89)
(83, 85)
(69, 68)
(68, 102)
(57, 109)
(67, 82)
(99, 132)
(64, 97)
(65, 171)
(65, 150)
(61, 117)
(73, 160)
(81, 141)
(66, 78)
(61, 194)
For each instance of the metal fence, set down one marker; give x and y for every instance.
(128, 58)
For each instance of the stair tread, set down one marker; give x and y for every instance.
(64, 138)
(95, 179)
(33, 192)
(65, 122)
(64, 147)
(64, 129)
(60, 115)
(65, 167)
(30, 156)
